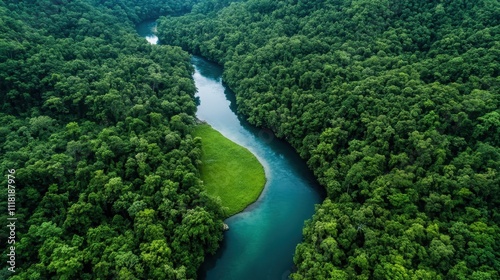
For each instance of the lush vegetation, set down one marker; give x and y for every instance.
(395, 106)
(97, 124)
(229, 171)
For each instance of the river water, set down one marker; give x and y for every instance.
(262, 239)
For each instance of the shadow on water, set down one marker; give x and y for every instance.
(207, 69)
(211, 261)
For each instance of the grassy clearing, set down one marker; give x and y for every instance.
(229, 170)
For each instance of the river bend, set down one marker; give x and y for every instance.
(262, 239)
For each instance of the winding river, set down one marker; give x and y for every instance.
(262, 239)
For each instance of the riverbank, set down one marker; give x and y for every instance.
(229, 171)
(261, 239)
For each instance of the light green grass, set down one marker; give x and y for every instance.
(229, 170)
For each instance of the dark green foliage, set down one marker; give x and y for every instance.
(395, 105)
(96, 123)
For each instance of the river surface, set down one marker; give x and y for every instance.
(262, 239)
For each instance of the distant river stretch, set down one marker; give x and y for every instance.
(262, 239)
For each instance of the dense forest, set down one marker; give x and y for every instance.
(395, 106)
(96, 122)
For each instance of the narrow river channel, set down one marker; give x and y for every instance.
(262, 239)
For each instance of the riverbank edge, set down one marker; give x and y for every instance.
(256, 197)
(253, 169)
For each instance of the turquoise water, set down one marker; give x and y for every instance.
(146, 29)
(262, 239)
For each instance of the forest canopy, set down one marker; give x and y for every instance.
(395, 106)
(96, 122)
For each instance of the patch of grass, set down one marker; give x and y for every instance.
(229, 171)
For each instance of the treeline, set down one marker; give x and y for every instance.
(395, 106)
(96, 122)
(140, 10)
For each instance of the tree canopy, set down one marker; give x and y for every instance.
(395, 106)
(97, 124)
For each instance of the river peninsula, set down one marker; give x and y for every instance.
(262, 236)
(229, 171)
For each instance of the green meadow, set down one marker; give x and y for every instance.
(229, 171)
